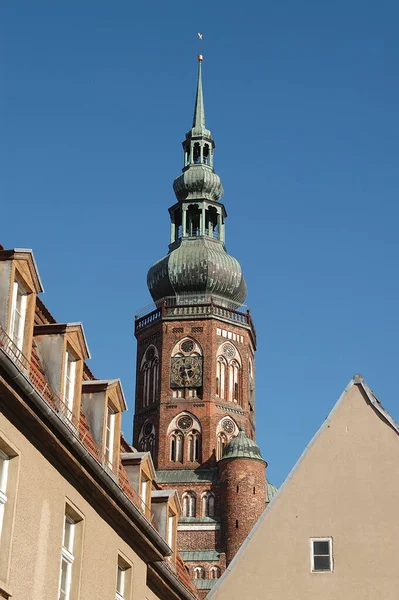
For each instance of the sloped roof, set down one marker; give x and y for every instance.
(186, 476)
(200, 555)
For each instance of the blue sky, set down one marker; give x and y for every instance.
(302, 101)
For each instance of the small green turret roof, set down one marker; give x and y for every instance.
(242, 446)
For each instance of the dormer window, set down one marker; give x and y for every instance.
(171, 530)
(109, 437)
(144, 492)
(69, 380)
(18, 315)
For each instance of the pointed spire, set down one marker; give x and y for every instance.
(199, 111)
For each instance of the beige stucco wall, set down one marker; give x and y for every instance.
(38, 527)
(347, 487)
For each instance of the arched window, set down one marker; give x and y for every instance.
(155, 378)
(193, 440)
(147, 438)
(214, 573)
(234, 369)
(206, 154)
(220, 377)
(221, 445)
(146, 384)
(208, 504)
(176, 446)
(150, 375)
(197, 153)
(189, 504)
(199, 573)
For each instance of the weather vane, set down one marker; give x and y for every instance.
(200, 57)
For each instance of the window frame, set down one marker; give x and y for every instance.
(67, 557)
(330, 554)
(18, 291)
(123, 568)
(4, 469)
(68, 394)
(109, 436)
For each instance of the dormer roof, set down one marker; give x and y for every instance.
(102, 385)
(27, 255)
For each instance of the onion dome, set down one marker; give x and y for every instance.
(198, 182)
(242, 446)
(197, 264)
(198, 267)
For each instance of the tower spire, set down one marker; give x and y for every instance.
(199, 110)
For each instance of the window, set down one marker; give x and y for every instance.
(150, 375)
(4, 462)
(144, 492)
(189, 504)
(199, 573)
(120, 583)
(321, 554)
(233, 381)
(18, 315)
(109, 437)
(67, 558)
(214, 573)
(123, 579)
(220, 377)
(176, 447)
(69, 381)
(193, 446)
(221, 445)
(208, 505)
(171, 530)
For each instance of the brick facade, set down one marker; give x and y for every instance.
(207, 408)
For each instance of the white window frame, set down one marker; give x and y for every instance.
(18, 307)
(109, 436)
(143, 492)
(170, 540)
(69, 381)
(330, 555)
(120, 582)
(4, 463)
(67, 558)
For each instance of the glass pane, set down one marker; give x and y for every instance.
(68, 535)
(120, 579)
(64, 579)
(321, 563)
(321, 547)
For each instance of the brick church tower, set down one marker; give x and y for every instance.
(195, 391)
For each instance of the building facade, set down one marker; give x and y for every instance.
(81, 514)
(332, 529)
(195, 376)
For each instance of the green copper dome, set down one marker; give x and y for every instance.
(242, 446)
(197, 264)
(198, 182)
(198, 268)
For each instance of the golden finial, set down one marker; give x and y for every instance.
(200, 58)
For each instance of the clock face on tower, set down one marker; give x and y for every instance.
(186, 371)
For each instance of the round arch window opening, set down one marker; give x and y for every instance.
(185, 422)
(229, 350)
(228, 426)
(187, 346)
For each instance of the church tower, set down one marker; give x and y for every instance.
(195, 389)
